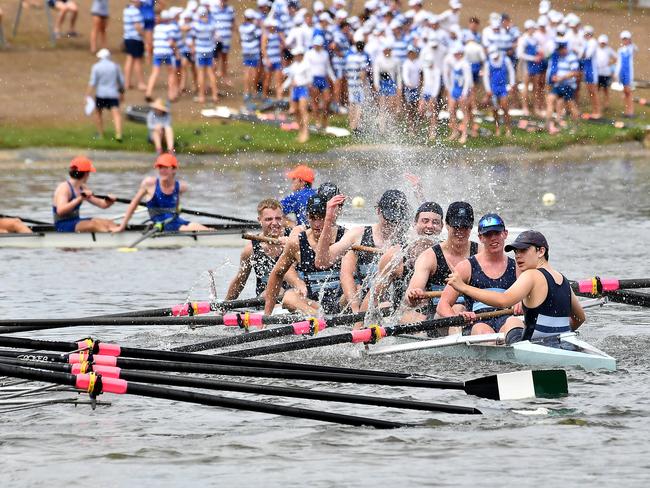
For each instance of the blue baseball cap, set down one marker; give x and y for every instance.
(491, 223)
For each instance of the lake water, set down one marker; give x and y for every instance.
(599, 434)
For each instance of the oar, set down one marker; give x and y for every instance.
(278, 242)
(310, 326)
(506, 386)
(29, 221)
(368, 335)
(596, 285)
(629, 297)
(243, 319)
(157, 228)
(211, 384)
(199, 213)
(96, 385)
(193, 308)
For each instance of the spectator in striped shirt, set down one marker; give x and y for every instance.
(272, 45)
(164, 48)
(133, 44)
(249, 36)
(203, 41)
(223, 16)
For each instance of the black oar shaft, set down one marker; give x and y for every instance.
(204, 399)
(292, 346)
(214, 307)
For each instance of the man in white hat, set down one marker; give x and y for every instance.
(605, 62)
(107, 84)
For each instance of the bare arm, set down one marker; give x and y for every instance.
(142, 191)
(425, 265)
(449, 294)
(239, 281)
(326, 254)
(577, 313)
(285, 261)
(61, 196)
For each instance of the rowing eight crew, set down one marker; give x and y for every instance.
(161, 197)
(317, 270)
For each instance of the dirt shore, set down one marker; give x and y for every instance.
(41, 85)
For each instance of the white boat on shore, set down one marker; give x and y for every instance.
(565, 350)
(221, 235)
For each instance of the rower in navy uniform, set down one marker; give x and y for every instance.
(260, 257)
(358, 268)
(162, 198)
(70, 194)
(433, 266)
(490, 269)
(550, 306)
(321, 290)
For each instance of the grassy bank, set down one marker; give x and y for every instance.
(227, 137)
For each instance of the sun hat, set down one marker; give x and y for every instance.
(166, 160)
(82, 163)
(159, 104)
(302, 172)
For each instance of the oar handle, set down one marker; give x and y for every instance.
(375, 250)
(433, 294)
(117, 199)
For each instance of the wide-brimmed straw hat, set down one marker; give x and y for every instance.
(159, 104)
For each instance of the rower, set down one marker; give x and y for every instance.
(321, 288)
(302, 179)
(358, 267)
(489, 269)
(550, 306)
(162, 198)
(398, 272)
(70, 194)
(432, 266)
(260, 257)
(13, 225)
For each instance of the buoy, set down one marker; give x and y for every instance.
(548, 199)
(358, 202)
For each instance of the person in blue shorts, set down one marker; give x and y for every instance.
(249, 37)
(133, 44)
(299, 76)
(162, 198)
(70, 194)
(202, 37)
(590, 69)
(302, 179)
(624, 71)
(272, 46)
(164, 54)
(562, 75)
(498, 80)
(148, 23)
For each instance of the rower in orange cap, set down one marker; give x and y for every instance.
(70, 194)
(302, 179)
(162, 197)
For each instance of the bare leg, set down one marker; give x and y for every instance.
(293, 301)
(155, 71)
(156, 138)
(169, 139)
(453, 121)
(128, 66)
(139, 74)
(99, 122)
(10, 224)
(117, 122)
(200, 83)
(171, 83)
(192, 226)
(213, 85)
(627, 97)
(96, 225)
(303, 118)
(96, 21)
(506, 115)
(277, 81)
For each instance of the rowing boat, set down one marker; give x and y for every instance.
(220, 235)
(564, 350)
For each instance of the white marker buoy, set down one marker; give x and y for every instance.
(548, 199)
(358, 202)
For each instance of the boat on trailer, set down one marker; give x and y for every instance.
(564, 350)
(44, 236)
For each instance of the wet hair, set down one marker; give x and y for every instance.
(76, 174)
(271, 203)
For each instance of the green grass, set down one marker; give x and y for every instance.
(226, 137)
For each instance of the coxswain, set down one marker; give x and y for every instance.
(302, 179)
(70, 194)
(432, 266)
(359, 267)
(162, 198)
(550, 306)
(322, 289)
(489, 269)
(259, 256)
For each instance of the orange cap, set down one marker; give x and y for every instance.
(302, 172)
(166, 160)
(82, 163)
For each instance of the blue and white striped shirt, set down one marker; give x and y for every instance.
(356, 63)
(249, 34)
(163, 38)
(274, 48)
(224, 19)
(132, 16)
(561, 66)
(203, 34)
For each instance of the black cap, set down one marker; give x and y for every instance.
(429, 207)
(526, 239)
(460, 214)
(328, 190)
(394, 206)
(317, 205)
(491, 223)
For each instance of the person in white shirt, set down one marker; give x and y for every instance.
(498, 80)
(299, 78)
(387, 80)
(431, 84)
(458, 80)
(531, 53)
(412, 80)
(355, 70)
(590, 70)
(451, 16)
(301, 35)
(605, 62)
(322, 76)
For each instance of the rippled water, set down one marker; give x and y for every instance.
(599, 434)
